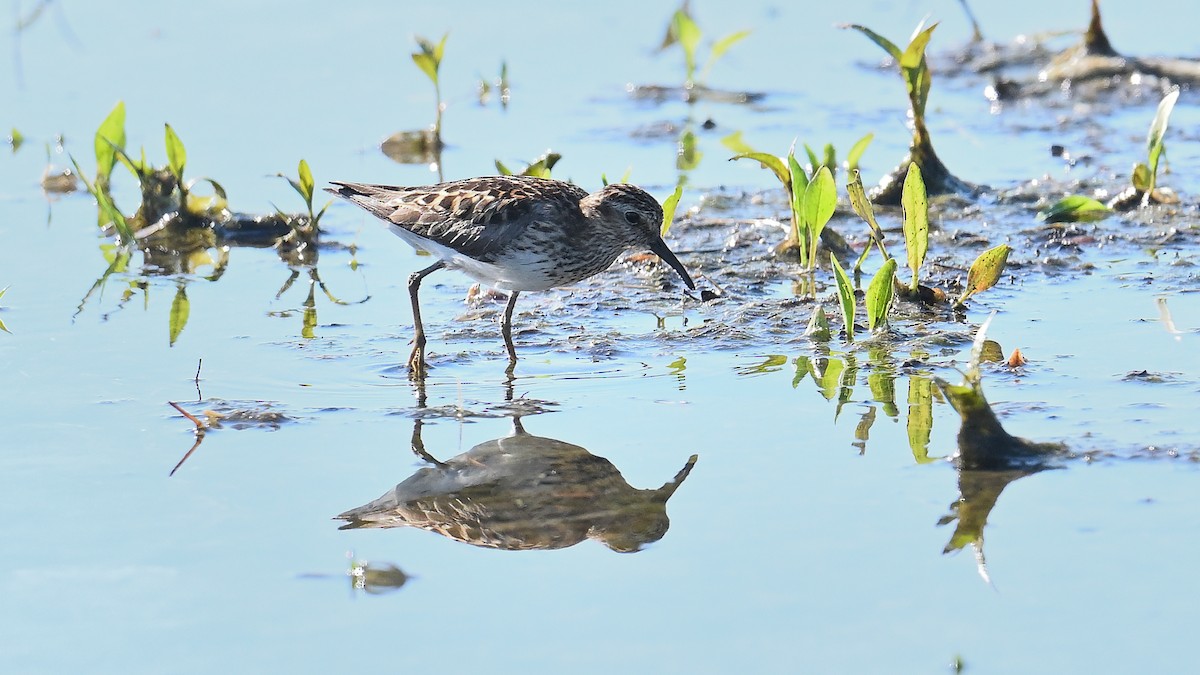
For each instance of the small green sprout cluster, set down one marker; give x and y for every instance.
(684, 31)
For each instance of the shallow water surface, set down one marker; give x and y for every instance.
(822, 527)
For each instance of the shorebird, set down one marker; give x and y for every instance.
(516, 233)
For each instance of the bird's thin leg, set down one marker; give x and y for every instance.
(416, 360)
(506, 329)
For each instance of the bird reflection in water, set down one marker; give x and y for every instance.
(523, 492)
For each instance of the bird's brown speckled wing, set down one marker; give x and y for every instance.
(475, 216)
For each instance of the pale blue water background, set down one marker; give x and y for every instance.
(788, 552)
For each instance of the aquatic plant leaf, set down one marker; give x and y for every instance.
(180, 308)
(16, 139)
(830, 159)
(985, 271)
(820, 201)
(916, 220)
(1158, 128)
(307, 185)
(862, 206)
(818, 326)
(109, 213)
(797, 186)
(429, 59)
(812, 158)
(176, 154)
(718, 50)
(769, 161)
(857, 150)
(542, 166)
(1074, 209)
(1141, 178)
(502, 169)
(915, 70)
(111, 133)
(845, 296)
(138, 169)
(887, 45)
(880, 293)
(687, 34)
(668, 207)
(736, 145)
(198, 204)
(914, 53)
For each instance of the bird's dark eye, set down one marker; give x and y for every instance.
(633, 217)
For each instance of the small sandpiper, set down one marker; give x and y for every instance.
(516, 233)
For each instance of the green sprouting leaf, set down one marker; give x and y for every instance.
(687, 34)
(176, 154)
(820, 200)
(542, 166)
(818, 326)
(293, 182)
(16, 139)
(985, 271)
(718, 50)
(862, 206)
(812, 158)
(880, 292)
(798, 184)
(857, 150)
(307, 185)
(916, 71)
(429, 59)
(769, 161)
(502, 169)
(830, 159)
(109, 213)
(180, 308)
(110, 134)
(1141, 178)
(887, 45)
(427, 65)
(845, 296)
(914, 53)
(737, 145)
(138, 169)
(916, 220)
(1074, 209)
(1158, 128)
(669, 206)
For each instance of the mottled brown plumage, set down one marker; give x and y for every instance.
(516, 233)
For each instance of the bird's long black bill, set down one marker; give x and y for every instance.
(659, 248)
